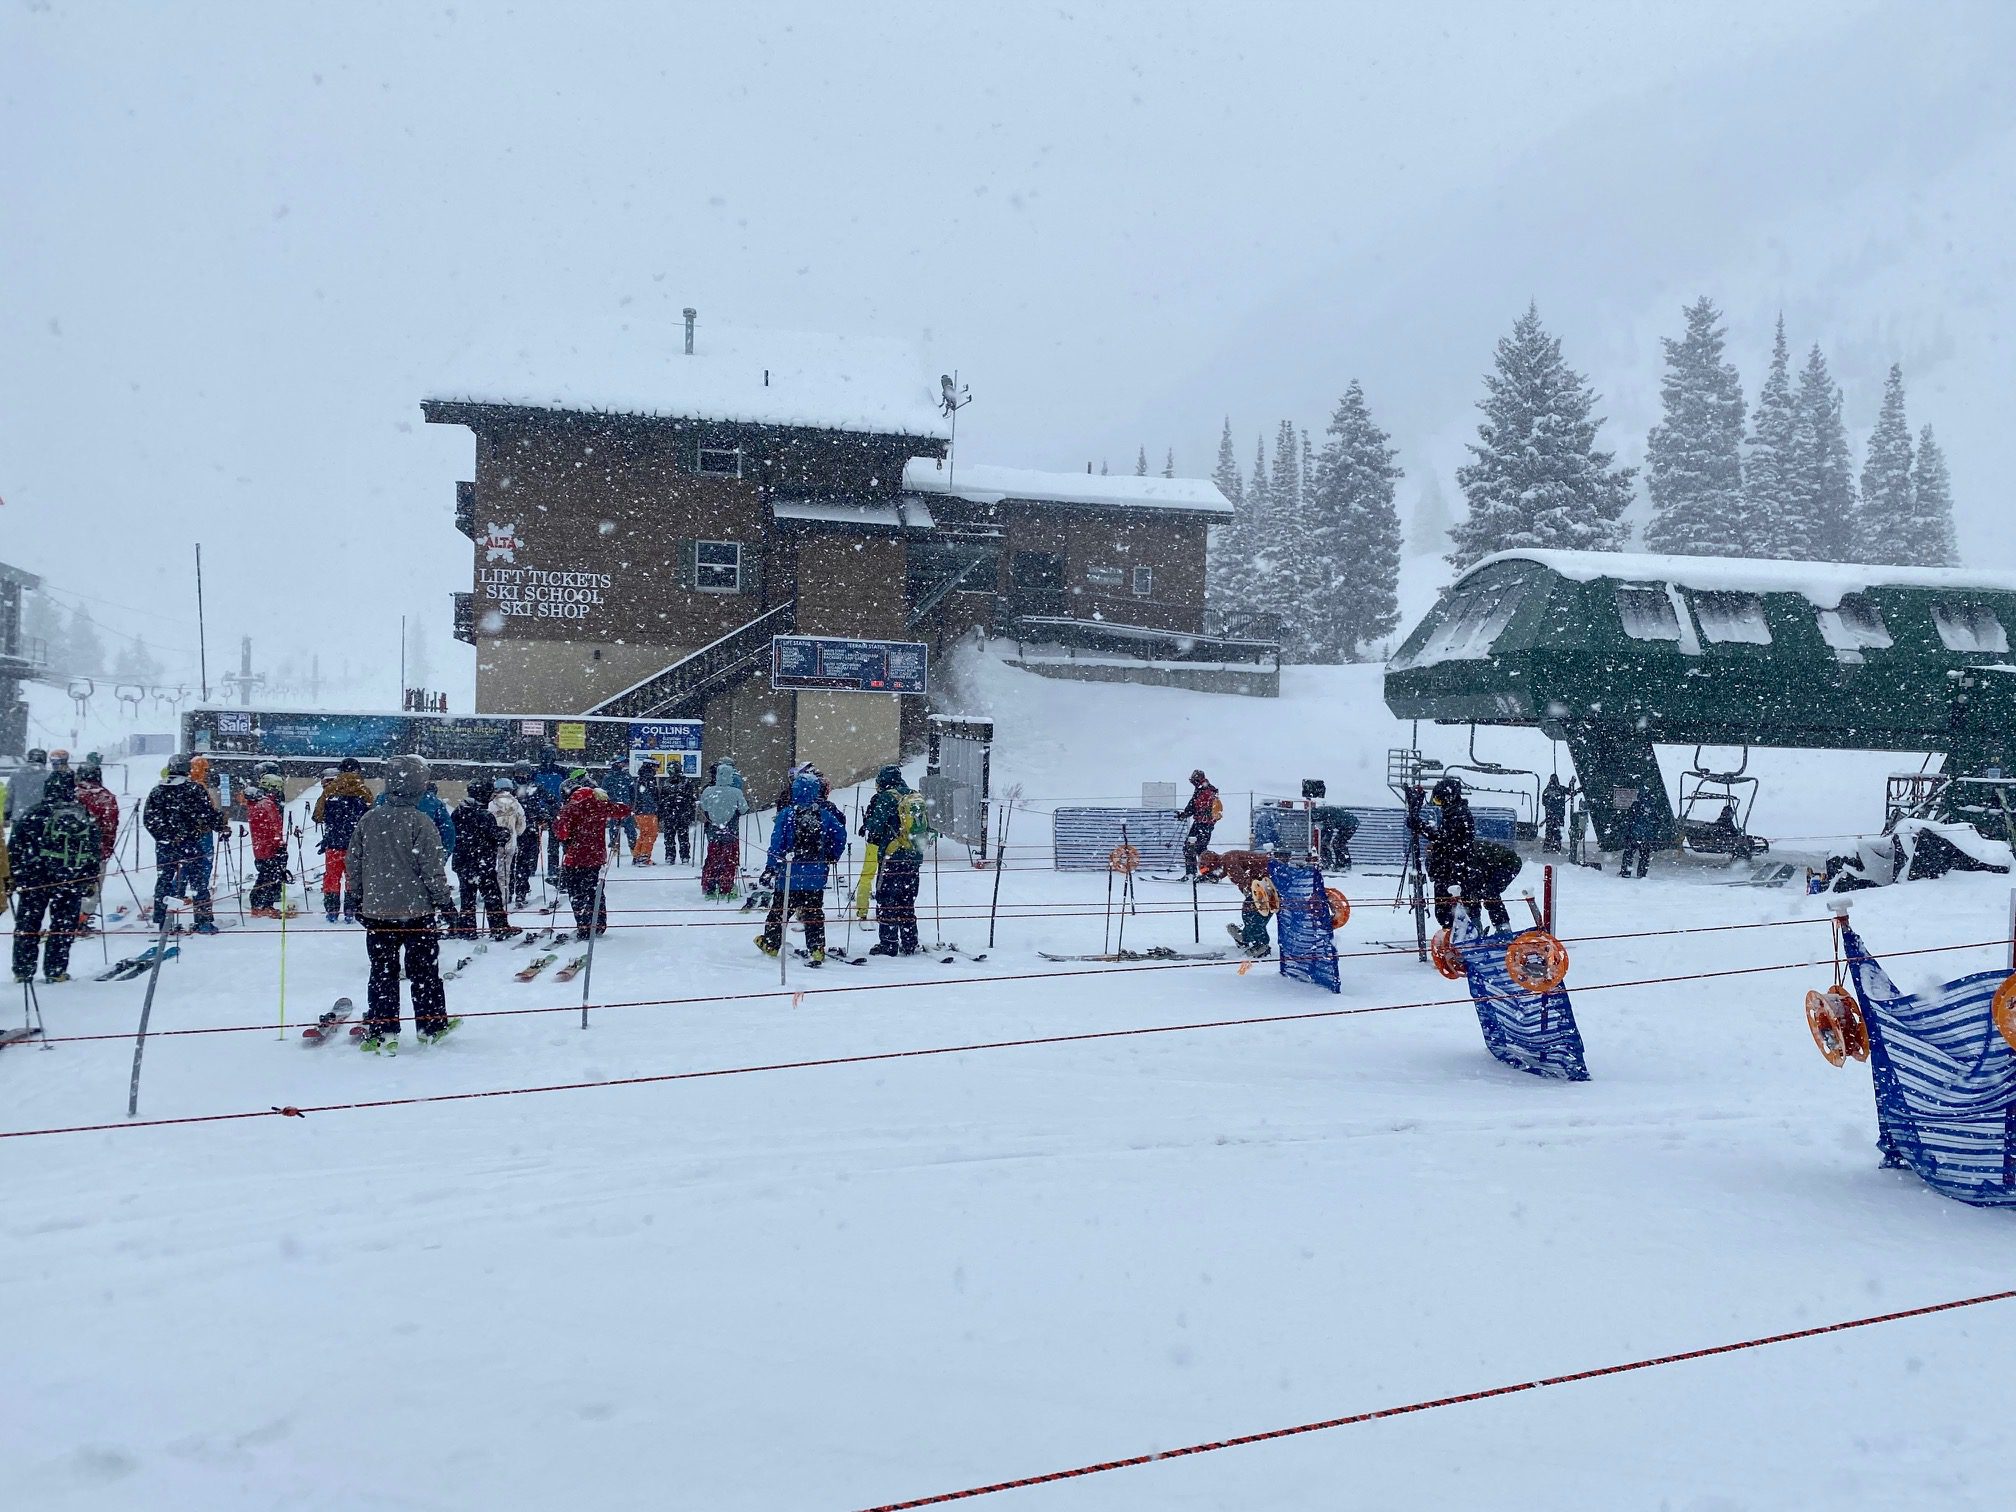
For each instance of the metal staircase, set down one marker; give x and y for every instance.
(682, 688)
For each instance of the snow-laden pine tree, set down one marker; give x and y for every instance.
(1260, 529)
(1229, 558)
(1889, 529)
(1694, 457)
(1932, 491)
(1226, 473)
(1141, 463)
(1288, 579)
(1169, 463)
(1820, 503)
(1352, 540)
(1537, 479)
(1767, 462)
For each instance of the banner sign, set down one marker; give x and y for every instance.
(1307, 943)
(465, 740)
(669, 737)
(821, 664)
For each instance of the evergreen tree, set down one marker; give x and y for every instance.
(83, 645)
(1537, 479)
(1694, 457)
(1932, 491)
(1141, 463)
(1352, 540)
(1286, 583)
(1767, 465)
(1259, 524)
(1890, 531)
(136, 664)
(1226, 474)
(1169, 463)
(1820, 507)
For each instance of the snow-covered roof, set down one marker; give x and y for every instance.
(979, 483)
(1823, 583)
(754, 377)
(892, 514)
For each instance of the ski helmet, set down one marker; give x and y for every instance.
(178, 766)
(91, 771)
(59, 757)
(481, 788)
(522, 772)
(349, 764)
(1448, 790)
(1197, 778)
(38, 757)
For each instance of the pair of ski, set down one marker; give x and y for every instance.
(833, 957)
(134, 966)
(327, 1026)
(1153, 953)
(539, 963)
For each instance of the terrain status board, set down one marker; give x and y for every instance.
(820, 664)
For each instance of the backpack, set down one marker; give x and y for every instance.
(70, 839)
(1217, 808)
(818, 835)
(912, 822)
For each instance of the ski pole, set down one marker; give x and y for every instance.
(283, 955)
(147, 1008)
(1000, 864)
(782, 904)
(594, 929)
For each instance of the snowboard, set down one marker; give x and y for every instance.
(324, 1028)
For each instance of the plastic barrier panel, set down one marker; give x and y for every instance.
(1528, 1031)
(1082, 839)
(1307, 943)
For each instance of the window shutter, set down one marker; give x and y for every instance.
(688, 555)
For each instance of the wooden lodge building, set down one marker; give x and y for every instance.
(638, 539)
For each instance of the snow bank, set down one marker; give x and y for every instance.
(1823, 583)
(984, 484)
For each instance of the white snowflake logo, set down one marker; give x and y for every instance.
(501, 543)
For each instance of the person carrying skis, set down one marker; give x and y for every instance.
(892, 825)
(1204, 810)
(540, 811)
(1554, 805)
(344, 800)
(54, 851)
(721, 806)
(269, 846)
(184, 822)
(584, 829)
(398, 867)
(810, 834)
(644, 812)
(478, 839)
(510, 816)
(104, 806)
(678, 796)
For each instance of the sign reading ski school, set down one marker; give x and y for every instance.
(516, 592)
(822, 664)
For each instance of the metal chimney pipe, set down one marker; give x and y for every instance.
(691, 315)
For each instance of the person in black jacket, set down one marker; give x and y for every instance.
(54, 851)
(540, 811)
(182, 820)
(678, 798)
(1463, 869)
(478, 839)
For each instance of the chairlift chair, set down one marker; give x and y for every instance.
(1526, 813)
(1706, 796)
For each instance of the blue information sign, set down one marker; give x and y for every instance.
(666, 739)
(819, 664)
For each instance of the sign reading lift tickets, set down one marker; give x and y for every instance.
(826, 664)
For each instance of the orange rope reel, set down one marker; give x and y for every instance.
(1537, 961)
(1444, 956)
(1340, 907)
(2004, 1008)
(1823, 1019)
(1123, 859)
(1834, 1017)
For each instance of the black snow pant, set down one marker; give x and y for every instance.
(523, 864)
(1334, 848)
(473, 885)
(896, 881)
(1550, 839)
(678, 835)
(1642, 849)
(808, 908)
(269, 876)
(579, 882)
(57, 903)
(385, 941)
(1195, 844)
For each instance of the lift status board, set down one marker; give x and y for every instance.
(818, 664)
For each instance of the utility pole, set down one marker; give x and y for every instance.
(202, 645)
(315, 678)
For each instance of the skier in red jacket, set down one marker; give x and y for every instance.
(1203, 811)
(583, 832)
(269, 846)
(103, 805)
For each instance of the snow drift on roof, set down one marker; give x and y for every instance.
(990, 485)
(1823, 583)
(756, 377)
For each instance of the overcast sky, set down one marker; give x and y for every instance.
(238, 242)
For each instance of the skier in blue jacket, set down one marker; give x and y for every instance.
(809, 835)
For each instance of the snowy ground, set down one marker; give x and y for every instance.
(836, 1287)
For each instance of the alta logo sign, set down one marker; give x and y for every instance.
(500, 543)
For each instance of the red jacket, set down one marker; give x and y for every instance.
(104, 807)
(269, 834)
(583, 827)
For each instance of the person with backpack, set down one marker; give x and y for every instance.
(184, 822)
(892, 827)
(552, 780)
(510, 816)
(644, 813)
(269, 846)
(54, 851)
(809, 836)
(678, 797)
(344, 800)
(583, 830)
(1204, 810)
(478, 840)
(722, 805)
(104, 806)
(396, 863)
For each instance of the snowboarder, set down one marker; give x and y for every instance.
(54, 851)
(269, 846)
(398, 867)
(644, 811)
(1204, 810)
(478, 840)
(540, 809)
(1554, 805)
(344, 800)
(24, 788)
(894, 820)
(721, 806)
(1641, 832)
(677, 796)
(510, 816)
(104, 806)
(184, 822)
(584, 828)
(808, 837)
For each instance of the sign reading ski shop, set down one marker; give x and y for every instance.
(821, 664)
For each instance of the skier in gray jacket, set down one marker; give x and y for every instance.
(398, 868)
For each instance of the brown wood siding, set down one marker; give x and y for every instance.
(1171, 547)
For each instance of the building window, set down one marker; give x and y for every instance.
(1732, 617)
(1144, 581)
(1648, 614)
(721, 461)
(717, 566)
(1969, 627)
(1105, 577)
(1854, 626)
